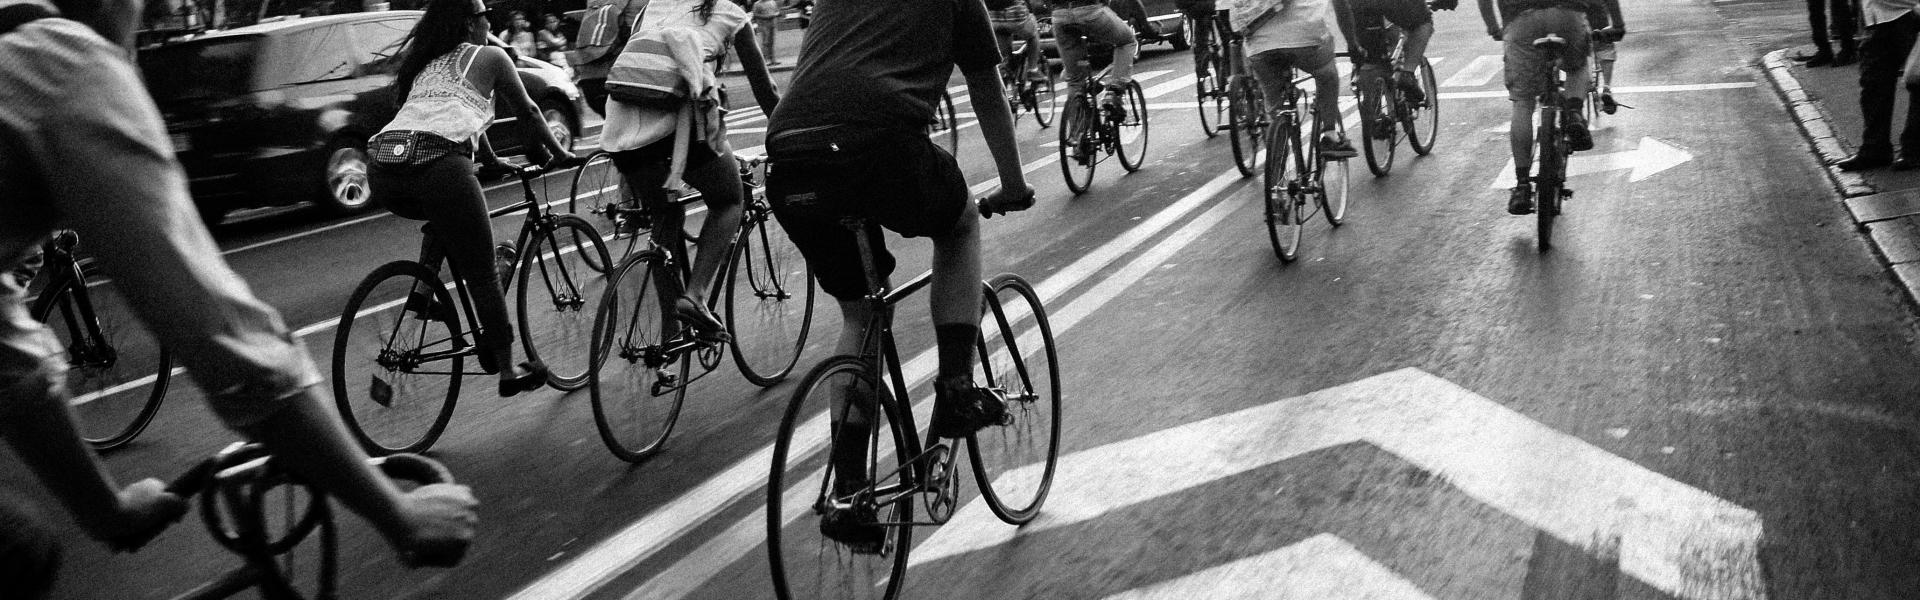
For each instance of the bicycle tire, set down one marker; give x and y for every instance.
(946, 122)
(294, 570)
(1078, 171)
(1422, 122)
(627, 362)
(1132, 130)
(768, 281)
(1045, 101)
(552, 296)
(1330, 180)
(1551, 178)
(1378, 132)
(1282, 209)
(99, 372)
(597, 185)
(375, 336)
(1206, 88)
(1013, 487)
(804, 564)
(1244, 131)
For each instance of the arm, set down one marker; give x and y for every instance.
(996, 124)
(38, 424)
(506, 86)
(1343, 16)
(1493, 22)
(765, 92)
(1619, 22)
(116, 20)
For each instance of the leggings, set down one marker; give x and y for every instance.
(448, 197)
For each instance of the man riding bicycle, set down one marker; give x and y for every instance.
(1281, 37)
(1528, 70)
(1013, 19)
(1357, 20)
(1076, 24)
(1199, 15)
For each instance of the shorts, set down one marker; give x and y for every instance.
(899, 179)
(1274, 68)
(1526, 65)
(1604, 51)
(661, 152)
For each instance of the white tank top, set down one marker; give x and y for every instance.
(443, 103)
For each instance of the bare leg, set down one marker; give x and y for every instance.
(1521, 138)
(718, 182)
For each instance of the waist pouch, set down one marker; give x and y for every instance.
(404, 152)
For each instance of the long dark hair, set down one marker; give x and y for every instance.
(440, 30)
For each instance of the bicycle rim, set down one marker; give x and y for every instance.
(596, 186)
(632, 407)
(1377, 132)
(557, 283)
(1423, 122)
(1013, 462)
(115, 380)
(1243, 125)
(1283, 222)
(805, 564)
(397, 362)
(1132, 129)
(1330, 182)
(1046, 102)
(769, 299)
(1206, 91)
(301, 543)
(1077, 159)
(1549, 181)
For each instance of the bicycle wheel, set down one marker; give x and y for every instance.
(1207, 89)
(296, 531)
(1422, 121)
(1330, 180)
(556, 282)
(1131, 129)
(769, 299)
(1044, 99)
(1548, 184)
(1244, 127)
(813, 456)
(397, 359)
(1013, 462)
(117, 377)
(946, 123)
(637, 386)
(1282, 211)
(1377, 128)
(1078, 156)
(596, 186)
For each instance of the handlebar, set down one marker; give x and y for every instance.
(530, 171)
(988, 209)
(242, 462)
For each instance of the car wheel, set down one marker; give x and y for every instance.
(347, 190)
(559, 125)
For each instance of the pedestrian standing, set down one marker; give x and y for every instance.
(1843, 28)
(1884, 55)
(766, 18)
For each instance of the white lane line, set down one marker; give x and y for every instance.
(378, 215)
(1183, 82)
(645, 537)
(994, 182)
(705, 562)
(1477, 73)
(1320, 567)
(1636, 89)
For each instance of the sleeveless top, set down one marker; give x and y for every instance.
(442, 103)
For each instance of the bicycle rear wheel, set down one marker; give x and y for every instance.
(1277, 189)
(557, 281)
(398, 357)
(1043, 99)
(637, 386)
(294, 529)
(822, 462)
(769, 299)
(1330, 180)
(597, 186)
(1208, 91)
(1422, 121)
(1550, 180)
(1377, 128)
(1244, 108)
(1078, 156)
(116, 379)
(1013, 462)
(1131, 130)
(946, 123)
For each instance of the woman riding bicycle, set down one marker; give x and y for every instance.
(641, 138)
(449, 80)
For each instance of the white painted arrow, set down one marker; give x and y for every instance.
(1652, 157)
(1674, 537)
(1322, 567)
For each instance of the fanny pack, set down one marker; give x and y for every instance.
(404, 152)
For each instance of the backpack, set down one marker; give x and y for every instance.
(602, 31)
(647, 72)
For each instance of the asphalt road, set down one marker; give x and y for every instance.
(1703, 392)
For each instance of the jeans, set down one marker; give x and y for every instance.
(1885, 59)
(448, 197)
(1074, 27)
(1843, 23)
(1006, 31)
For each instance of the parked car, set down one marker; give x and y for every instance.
(279, 113)
(1169, 26)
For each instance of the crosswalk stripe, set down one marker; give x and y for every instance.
(1476, 73)
(1183, 82)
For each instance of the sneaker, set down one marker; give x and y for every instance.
(959, 408)
(1111, 107)
(505, 258)
(854, 526)
(1607, 105)
(1520, 199)
(1579, 139)
(1410, 87)
(1334, 146)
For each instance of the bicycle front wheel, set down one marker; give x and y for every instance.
(557, 280)
(1551, 178)
(1243, 127)
(1044, 99)
(1330, 180)
(637, 385)
(398, 357)
(1013, 462)
(1422, 120)
(946, 123)
(769, 299)
(842, 456)
(1131, 128)
(1378, 133)
(117, 373)
(1282, 210)
(1078, 155)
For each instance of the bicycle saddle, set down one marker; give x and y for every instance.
(1552, 41)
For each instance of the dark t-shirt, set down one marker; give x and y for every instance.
(1512, 8)
(882, 64)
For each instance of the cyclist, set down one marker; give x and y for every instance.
(1013, 19)
(641, 138)
(1605, 53)
(1199, 14)
(850, 137)
(1280, 39)
(1416, 22)
(1078, 23)
(108, 172)
(1527, 70)
(450, 78)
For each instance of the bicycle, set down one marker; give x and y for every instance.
(1013, 462)
(1385, 110)
(239, 484)
(117, 372)
(1298, 179)
(769, 311)
(1211, 91)
(1597, 83)
(389, 364)
(1246, 106)
(1033, 96)
(1091, 130)
(945, 122)
(1550, 183)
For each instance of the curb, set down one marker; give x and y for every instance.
(1891, 220)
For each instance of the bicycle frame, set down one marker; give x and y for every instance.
(63, 272)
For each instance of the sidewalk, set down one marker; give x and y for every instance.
(1884, 203)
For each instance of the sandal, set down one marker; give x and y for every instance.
(706, 326)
